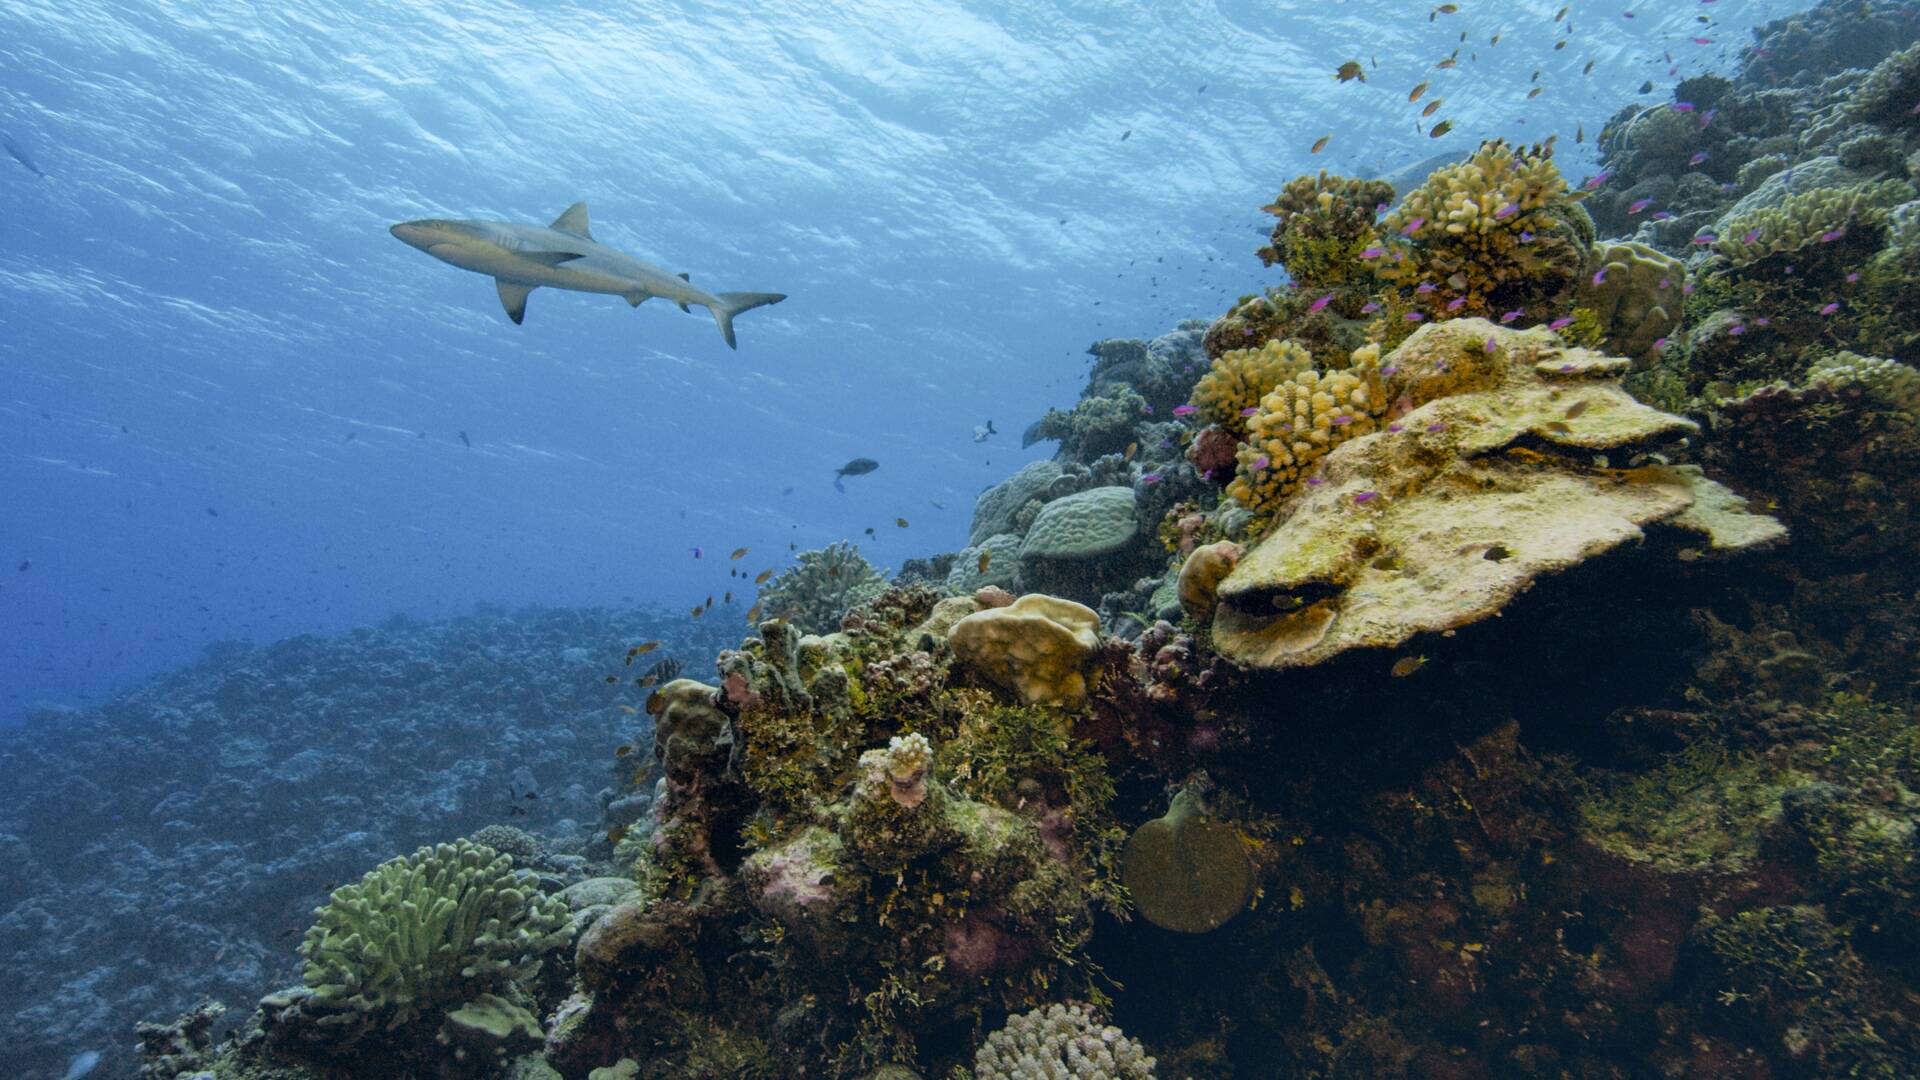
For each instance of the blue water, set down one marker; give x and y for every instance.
(231, 403)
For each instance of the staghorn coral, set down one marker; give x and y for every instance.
(1239, 378)
(1325, 223)
(1496, 232)
(828, 583)
(422, 932)
(1061, 1042)
(1821, 215)
(1038, 646)
(1488, 483)
(1299, 423)
(1636, 296)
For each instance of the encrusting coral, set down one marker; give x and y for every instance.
(1490, 481)
(424, 932)
(1061, 1042)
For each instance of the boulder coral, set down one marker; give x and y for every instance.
(1185, 871)
(1636, 295)
(1501, 473)
(1039, 647)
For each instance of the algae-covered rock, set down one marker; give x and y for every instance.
(1083, 525)
(1038, 647)
(691, 732)
(1498, 476)
(1185, 872)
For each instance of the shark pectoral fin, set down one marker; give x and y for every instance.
(683, 306)
(549, 258)
(574, 220)
(637, 297)
(513, 297)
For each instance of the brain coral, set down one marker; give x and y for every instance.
(828, 583)
(1816, 216)
(1060, 1042)
(1299, 423)
(1325, 223)
(1241, 377)
(1092, 522)
(1497, 232)
(423, 932)
(1490, 482)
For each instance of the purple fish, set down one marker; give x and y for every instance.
(1698, 157)
(1373, 253)
(1659, 215)
(1414, 316)
(1596, 181)
(1492, 345)
(1509, 316)
(1830, 237)
(1707, 118)
(1762, 320)
(1507, 211)
(1249, 410)
(1638, 205)
(1184, 410)
(1736, 330)
(1456, 303)
(1830, 308)
(1853, 277)
(1341, 421)
(1436, 427)
(1600, 276)
(1752, 235)
(1320, 303)
(1413, 226)
(1369, 307)
(1687, 106)
(1561, 323)
(1262, 461)
(1687, 289)
(696, 553)
(1396, 427)
(1389, 372)
(1148, 409)
(1729, 186)
(1365, 497)
(1659, 344)
(1526, 236)
(1666, 283)
(1424, 288)
(1150, 478)
(1705, 238)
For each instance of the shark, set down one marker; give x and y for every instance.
(564, 255)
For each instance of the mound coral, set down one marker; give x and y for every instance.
(1325, 223)
(828, 583)
(1490, 482)
(1299, 423)
(1636, 295)
(1497, 232)
(1038, 646)
(1239, 378)
(1818, 216)
(1061, 1042)
(423, 932)
(1083, 525)
(1891, 95)
(1198, 586)
(1186, 872)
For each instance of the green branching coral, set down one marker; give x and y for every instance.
(1497, 232)
(1822, 215)
(426, 931)
(1325, 223)
(1239, 379)
(828, 583)
(1891, 95)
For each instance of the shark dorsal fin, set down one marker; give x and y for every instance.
(684, 276)
(513, 297)
(574, 220)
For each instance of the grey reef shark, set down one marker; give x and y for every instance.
(564, 255)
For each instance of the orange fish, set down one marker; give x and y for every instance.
(761, 578)
(1321, 144)
(737, 552)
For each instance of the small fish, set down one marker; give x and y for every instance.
(1600, 276)
(1535, 92)
(1507, 211)
(1414, 316)
(901, 522)
(615, 834)
(1412, 226)
(699, 610)
(25, 565)
(1588, 70)
(1830, 308)
(1341, 421)
(859, 466)
(1373, 253)
(1436, 427)
(762, 576)
(1561, 323)
(1659, 215)
(1659, 344)
(1320, 144)
(1262, 461)
(985, 558)
(1698, 157)
(1417, 91)
(1736, 330)
(1150, 478)
(1493, 346)
(1406, 666)
(1250, 410)
(1638, 205)
(737, 553)
(1561, 14)
(1456, 303)
(1424, 288)
(1705, 238)
(1830, 237)
(1526, 236)
(1509, 316)
(466, 442)
(1440, 129)
(1350, 71)
(1369, 307)
(211, 512)
(1132, 449)
(1577, 408)
(1752, 235)
(1185, 410)
(1432, 107)
(629, 710)
(753, 614)
(623, 749)
(1365, 497)
(1449, 62)
(642, 649)
(1127, 134)
(1596, 181)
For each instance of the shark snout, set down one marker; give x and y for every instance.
(415, 233)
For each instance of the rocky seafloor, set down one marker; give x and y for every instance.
(1493, 653)
(171, 845)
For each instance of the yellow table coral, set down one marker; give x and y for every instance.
(1038, 647)
(1496, 477)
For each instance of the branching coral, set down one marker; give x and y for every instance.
(1299, 423)
(1497, 232)
(1326, 222)
(1822, 215)
(816, 594)
(1239, 378)
(423, 932)
(1888, 382)
(1891, 95)
(1061, 1042)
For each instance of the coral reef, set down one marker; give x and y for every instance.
(1300, 422)
(1821, 215)
(1326, 222)
(823, 587)
(1236, 382)
(1061, 1042)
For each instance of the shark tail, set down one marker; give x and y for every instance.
(733, 303)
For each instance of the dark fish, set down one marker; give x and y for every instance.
(622, 750)
(464, 441)
(211, 512)
(1125, 135)
(18, 153)
(859, 466)
(26, 565)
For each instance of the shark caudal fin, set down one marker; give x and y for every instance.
(733, 303)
